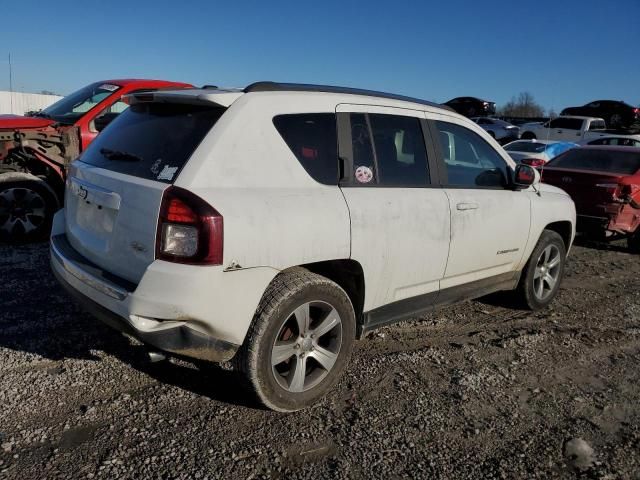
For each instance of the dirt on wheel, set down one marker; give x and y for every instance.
(473, 391)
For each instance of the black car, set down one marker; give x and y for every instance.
(616, 114)
(472, 106)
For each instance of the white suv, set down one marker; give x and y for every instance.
(276, 224)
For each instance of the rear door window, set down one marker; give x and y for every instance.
(152, 140)
(312, 139)
(626, 163)
(388, 151)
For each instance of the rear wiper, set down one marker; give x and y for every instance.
(118, 155)
(41, 114)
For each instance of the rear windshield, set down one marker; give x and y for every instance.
(599, 160)
(531, 147)
(152, 140)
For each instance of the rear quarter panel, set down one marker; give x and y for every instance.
(274, 213)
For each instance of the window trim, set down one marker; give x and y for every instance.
(442, 165)
(345, 151)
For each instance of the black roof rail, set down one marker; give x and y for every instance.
(212, 87)
(305, 87)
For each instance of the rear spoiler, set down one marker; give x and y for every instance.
(219, 98)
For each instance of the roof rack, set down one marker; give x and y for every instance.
(304, 87)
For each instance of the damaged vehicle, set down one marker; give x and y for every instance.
(604, 182)
(36, 150)
(274, 225)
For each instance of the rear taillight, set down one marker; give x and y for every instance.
(534, 162)
(189, 230)
(636, 112)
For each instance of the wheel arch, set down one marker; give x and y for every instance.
(564, 229)
(28, 177)
(348, 274)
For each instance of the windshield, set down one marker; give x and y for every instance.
(529, 147)
(599, 160)
(70, 108)
(152, 140)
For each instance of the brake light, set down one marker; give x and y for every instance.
(534, 162)
(189, 230)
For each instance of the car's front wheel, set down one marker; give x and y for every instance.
(543, 273)
(26, 209)
(299, 342)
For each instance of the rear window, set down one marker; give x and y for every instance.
(152, 140)
(599, 160)
(312, 139)
(530, 147)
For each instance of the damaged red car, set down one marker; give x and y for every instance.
(35, 152)
(604, 183)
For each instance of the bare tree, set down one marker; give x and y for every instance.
(523, 105)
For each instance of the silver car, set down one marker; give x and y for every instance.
(502, 131)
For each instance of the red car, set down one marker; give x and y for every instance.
(35, 151)
(604, 183)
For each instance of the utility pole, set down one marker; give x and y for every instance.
(10, 84)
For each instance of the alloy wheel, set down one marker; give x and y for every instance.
(307, 346)
(22, 210)
(547, 272)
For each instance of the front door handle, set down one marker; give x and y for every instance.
(467, 206)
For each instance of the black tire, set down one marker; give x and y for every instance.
(633, 242)
(26, 209)
(289, 291)
(616, 121)
(528, 136)
(527, 293)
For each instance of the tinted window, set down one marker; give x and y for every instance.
(396, 154)
(531, 147)
(621, 141)
(469, 159)
(597, 125)
(599, 160)
(566, 123)
(152, 140)
(312, 139)
(400, 150)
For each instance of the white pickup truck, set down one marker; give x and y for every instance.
(569, 129)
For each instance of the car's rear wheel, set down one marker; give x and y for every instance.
(299, 342)
(26, 210)
(528, 136)
(615, 120)
(543, 273)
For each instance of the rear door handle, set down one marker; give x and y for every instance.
(467, 206)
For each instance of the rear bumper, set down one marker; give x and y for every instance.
(179, 340)
(187, 310)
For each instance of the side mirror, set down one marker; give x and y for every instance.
(525, 176)
(102, 121)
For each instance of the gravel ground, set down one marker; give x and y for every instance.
(474, 391)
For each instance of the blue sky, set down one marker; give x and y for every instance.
(564, 52)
